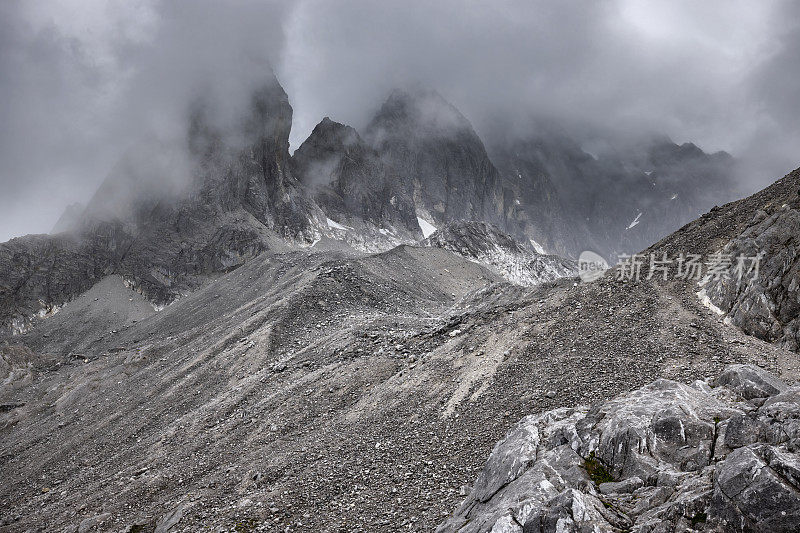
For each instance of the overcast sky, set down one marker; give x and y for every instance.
(83, 81)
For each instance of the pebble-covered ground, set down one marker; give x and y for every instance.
(320, 391)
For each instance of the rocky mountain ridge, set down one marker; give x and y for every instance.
(613, 203)
(242, 194)
(484, 244)
(439, 157)
(355, 188)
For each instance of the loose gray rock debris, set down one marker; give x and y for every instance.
(325, 391)
(719, 455)
(485, 244)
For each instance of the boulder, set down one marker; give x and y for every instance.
(753, 493)
(750, 382)
(573, 510)
(742, 430)
(619, 487)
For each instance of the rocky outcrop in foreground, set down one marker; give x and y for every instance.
(717, 456)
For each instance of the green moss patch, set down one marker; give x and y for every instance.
(596, 470)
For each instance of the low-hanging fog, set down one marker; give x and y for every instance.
(83, 82)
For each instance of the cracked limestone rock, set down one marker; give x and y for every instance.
(700, 457)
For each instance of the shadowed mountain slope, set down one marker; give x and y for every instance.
(351, 183)
(438, 157)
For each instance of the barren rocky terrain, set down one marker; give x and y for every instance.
(322, 391)
(715, 455)
(269, 352)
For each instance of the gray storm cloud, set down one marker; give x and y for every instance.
(82, 82)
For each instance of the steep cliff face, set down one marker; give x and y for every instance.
(222, 165)
(615, 202)
(761, 291)
(439, 157)
(535, 208)
(270, 192)
(351, 183)
(39, 272)
(238, 197)
(544, 188)
(684, 182)
(248, 168)
(167, 217)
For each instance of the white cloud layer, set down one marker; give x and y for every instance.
(82, 81)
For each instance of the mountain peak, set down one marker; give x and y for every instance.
(349, 181)
(423, 110)
(316, 159)
(330, 131)
(438, 156)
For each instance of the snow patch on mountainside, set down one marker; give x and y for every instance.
(364, 236)
(706, 301)
(635, 221)
(335, 225)
(427, 228)
(538, 247)
(523, 269)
